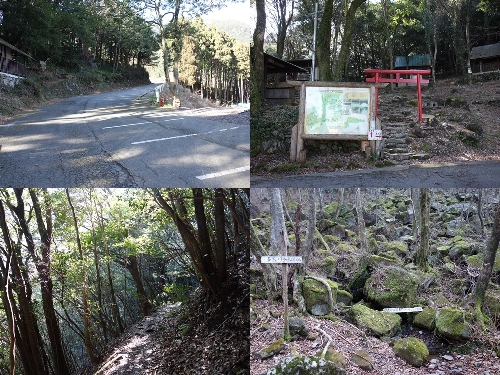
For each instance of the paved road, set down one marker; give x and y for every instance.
(115, 140)
(474, 174)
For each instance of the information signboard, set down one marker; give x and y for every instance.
(337, 110)
(398, 310)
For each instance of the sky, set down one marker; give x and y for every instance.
(233, 11)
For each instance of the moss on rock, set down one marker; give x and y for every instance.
(343, 296)
(333, 356)
(316, 296)
(412, 350)
(306, 365)
(392, 287)
(426, 319)
(454, 324)
(329, 265)
(376, 323)
(272, 349)
(476, 261)
(400, 247)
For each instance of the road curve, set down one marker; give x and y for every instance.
(484, 174)
(116, 140)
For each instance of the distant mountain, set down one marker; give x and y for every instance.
(239, 30)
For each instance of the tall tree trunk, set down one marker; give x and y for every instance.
(488, 262)
(423, 247)
(361, 222)
(42, 264)
(132, 266)
(86, 309)
(340, 70)
(258, 75)
(220, 225)
(323, 42)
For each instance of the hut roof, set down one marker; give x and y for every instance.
(488, 50)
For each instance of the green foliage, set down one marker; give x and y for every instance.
(176, 292)
(272, 121)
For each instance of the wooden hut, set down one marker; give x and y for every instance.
(12, 62)
(485, 58)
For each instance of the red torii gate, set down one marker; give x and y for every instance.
(377, 78)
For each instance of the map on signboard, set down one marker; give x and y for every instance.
(337, 110)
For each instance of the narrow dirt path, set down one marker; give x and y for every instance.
(134, 354)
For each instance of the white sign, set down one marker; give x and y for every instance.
(398, 310)
(280, 259)
(375, 135)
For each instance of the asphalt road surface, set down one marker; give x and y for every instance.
(116, 140)
(473, 174)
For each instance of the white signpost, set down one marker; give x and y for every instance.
(398, 310)
(280, 259)
(284, 260)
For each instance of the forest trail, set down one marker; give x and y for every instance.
(135, 351)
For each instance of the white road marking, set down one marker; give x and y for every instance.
(180, 136)
(223, 173)
(140, 123)
(163, 139)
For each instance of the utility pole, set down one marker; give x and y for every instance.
(314, 41)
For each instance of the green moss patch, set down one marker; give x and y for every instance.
(392, 287)
(316, 296)
(376, 323)
(426, 319)
(454, 324)
(412, 350)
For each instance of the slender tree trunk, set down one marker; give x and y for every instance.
(340, 71)
(43, 267)
(133, 267)
(220, 224)
(86, 310)
(488, 262)
(257, 73)
(323, 43)
(361, 222)
(423, 248)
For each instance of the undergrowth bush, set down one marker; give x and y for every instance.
(271, 121)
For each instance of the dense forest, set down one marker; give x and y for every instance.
(120, 38)
(391, 280)
(80, 266)
(359, 34)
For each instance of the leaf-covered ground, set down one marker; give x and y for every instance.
(202, 336)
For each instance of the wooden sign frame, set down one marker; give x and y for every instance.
(299, 134)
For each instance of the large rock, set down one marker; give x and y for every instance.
(363, 360)
(316, 296)
(275, 348)
(297, 327)
(376, 323)
(453, 324)
(392, 287)
(426, 319)
(306, 365)
(334, 356)
(412, 350)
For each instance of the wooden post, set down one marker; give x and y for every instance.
(301, 152)
(293, 144)
(284, 260)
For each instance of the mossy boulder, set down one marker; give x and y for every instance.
(316, 296)
(412, 350)
(305, 365)
(400, 247)
(491, 305)
(392, 287)
(297, 327)
(357, 282)
(273, 349)
(426, 319)
(453, 324)
(334, 356)
(384, 259)
(329, 265)
(343, 296)
(376, 323)
(476, 261)
(458, 249)
(363, 360)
